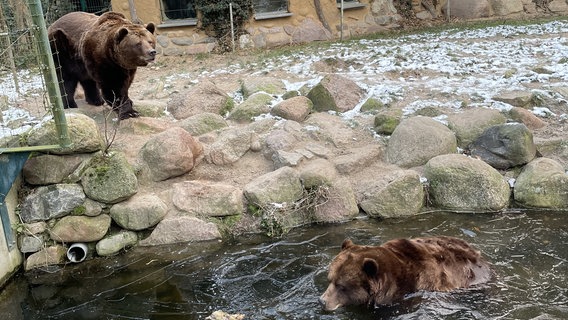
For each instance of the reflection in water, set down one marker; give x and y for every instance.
(282, 278)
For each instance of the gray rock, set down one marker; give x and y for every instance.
(467, 9)
(505, 146)
(28, 244)
(521, 99)
(139, 212)
(526, 117)
(326, 127)
(269, 85)
(457, 182)
(204, 97)
(92, 208)
(280, 186)
(80, 228)
(395, 194)
(283, 158)
(319, 172)
(470, 124)
(334, 203)
(179, 229)
(151, 108)
(109, 179)
(296, 108)
(357, 158)
(254, 106)
(507, 7)
(50, 202)
(543, 183)
(335, 93)
(387, 121)
(417, 140)
(46, 257)
(230, 146)
(34, 228)
(170, 154)
(278, 140)
(113, 244)
(203, 123)
(83, 132)
(50, 169)
(309, 31)
(207, 199)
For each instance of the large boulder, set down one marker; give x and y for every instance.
(396, 194)
(179, 229)
(417, 140)
(50, 169)
(505, 146)
(203, 123)
(203, 97)
(82, 130)
(280, 186)
(467, 9)
(80, 228)
(207, 199)
(114, 243)
(470, 124)
(296, 108)
(507, 7)
(335, 93)
(269, 85)
(50, 202)
(331, 197)
(461, 183)
(334, 203)
(140, 212)
(543, 183)
(170, 154)
(109, 179)
(253, 106)
(229, 147)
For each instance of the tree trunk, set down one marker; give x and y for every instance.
(321, 16)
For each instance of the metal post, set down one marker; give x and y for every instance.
(232, 27)
(48, 70)
(448, 10)
(341, 31)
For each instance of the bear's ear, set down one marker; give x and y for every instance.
(121, 34)
(347, 243)
(370, 267)
(151, 27)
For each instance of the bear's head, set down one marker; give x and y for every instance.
(353, 278)
(135, 45)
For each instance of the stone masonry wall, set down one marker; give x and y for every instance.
(305, 25)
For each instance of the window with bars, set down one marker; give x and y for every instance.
(266, 6)
(178, 9)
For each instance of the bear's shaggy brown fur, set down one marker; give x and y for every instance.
(102, 54)
(379, 275)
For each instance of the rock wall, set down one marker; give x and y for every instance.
(305, 25)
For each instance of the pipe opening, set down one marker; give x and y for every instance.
(77, 252)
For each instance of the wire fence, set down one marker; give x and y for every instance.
(29, 92)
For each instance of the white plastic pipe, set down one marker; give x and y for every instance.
(77, 252)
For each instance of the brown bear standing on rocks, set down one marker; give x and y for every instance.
(367, 275)
(102, 54)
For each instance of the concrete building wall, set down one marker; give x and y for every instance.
(10, 260)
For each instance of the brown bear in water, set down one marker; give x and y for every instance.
(102, 54)
(369, 275)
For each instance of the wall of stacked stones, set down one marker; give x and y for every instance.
(305, 25)
(310, 166)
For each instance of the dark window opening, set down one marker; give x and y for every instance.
(266, 6)
(179, 9)
(92, 6)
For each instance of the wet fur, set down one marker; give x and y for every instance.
(379, 275)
